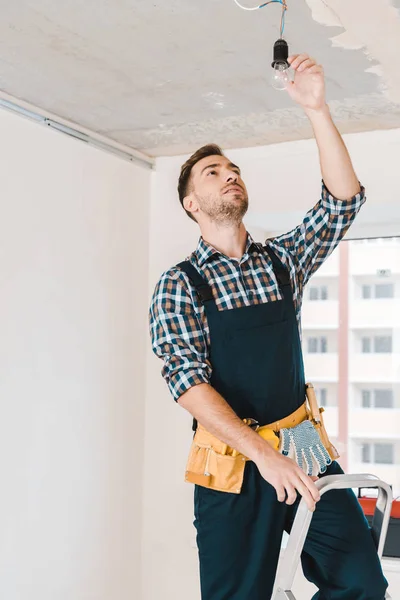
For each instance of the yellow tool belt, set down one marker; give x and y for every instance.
(215, 465)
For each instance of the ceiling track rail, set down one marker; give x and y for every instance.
(72, 130)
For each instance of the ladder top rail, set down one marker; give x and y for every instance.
(364, 480)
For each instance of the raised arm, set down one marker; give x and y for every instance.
(308, 91)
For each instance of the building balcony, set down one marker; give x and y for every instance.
(374, 423)
(321, 367)
(371, 368)
(370, 260)
(374, 314)
(322, 314)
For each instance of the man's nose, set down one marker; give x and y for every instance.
(231, 177)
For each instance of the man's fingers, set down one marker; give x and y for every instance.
(280, 493)
(306, 64)
(316, 69)
(312, 488)
(306, 494)
(291, 494)
(300, 58)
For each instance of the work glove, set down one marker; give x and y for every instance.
(303, 444)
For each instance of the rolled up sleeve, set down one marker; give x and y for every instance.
(177, 335)
(311, 242)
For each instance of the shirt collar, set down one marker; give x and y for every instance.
(205, 251)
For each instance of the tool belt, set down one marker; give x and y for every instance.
(215, 465)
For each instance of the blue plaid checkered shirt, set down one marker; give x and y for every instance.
(178, 324)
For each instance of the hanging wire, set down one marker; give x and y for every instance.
(284, 9)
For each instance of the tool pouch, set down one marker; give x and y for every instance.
(220, 472)
(215, 465)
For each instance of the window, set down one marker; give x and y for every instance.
(367, 342)
(383, 398)
(377, 398)
(384, 454)
(322, 396)
(381, 454)
(313, 345)
(317, 345)
(318, 292)
(366, 398)
(383, 344)
(365, 345)
(379, 290)
(366, 453)
(379, 344)
(384, 290)
(366, 292)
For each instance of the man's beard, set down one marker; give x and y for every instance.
(224, 210)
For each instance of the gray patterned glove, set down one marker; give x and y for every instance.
(303, 444)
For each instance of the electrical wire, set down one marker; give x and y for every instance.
(284, 9)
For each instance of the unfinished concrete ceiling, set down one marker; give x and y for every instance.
(164, 76)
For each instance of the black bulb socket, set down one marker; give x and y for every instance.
(281, 53)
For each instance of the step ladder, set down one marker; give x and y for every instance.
(291, 557)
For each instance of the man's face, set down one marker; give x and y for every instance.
(217, 190)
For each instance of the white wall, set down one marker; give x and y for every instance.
(283, 183)
(73, 299)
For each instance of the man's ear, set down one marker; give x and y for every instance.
(190, 203)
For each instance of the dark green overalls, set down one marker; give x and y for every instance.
(257, 362)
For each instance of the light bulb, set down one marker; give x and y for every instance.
(281, 74)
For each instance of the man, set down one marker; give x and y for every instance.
(226, 325)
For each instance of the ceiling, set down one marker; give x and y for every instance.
(164, 77)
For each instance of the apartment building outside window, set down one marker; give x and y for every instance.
(378, 344)
(378, 290)
(317, 345)
(377, 398)
(352, 353)
(378, 453)
(318, 292)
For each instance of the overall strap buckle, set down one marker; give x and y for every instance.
(199, 283)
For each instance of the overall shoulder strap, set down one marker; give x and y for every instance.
(197, 280)
(281, 271)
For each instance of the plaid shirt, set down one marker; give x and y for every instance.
(178, 324)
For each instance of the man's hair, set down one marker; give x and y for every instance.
(186, 170)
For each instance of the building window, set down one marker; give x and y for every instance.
(318, 292)
(377, 398)
(379, 290)
(366, 453)
(322, 396)
(366, 398)
(317, 345)
(378, 453)
(366, 292)
(383, 344)
(384, 290)
(379, 344)
(383, 398)
(365, 345)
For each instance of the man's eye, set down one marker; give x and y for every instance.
(212, 172)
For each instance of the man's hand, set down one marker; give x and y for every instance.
(288, 479)
(308, 87)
